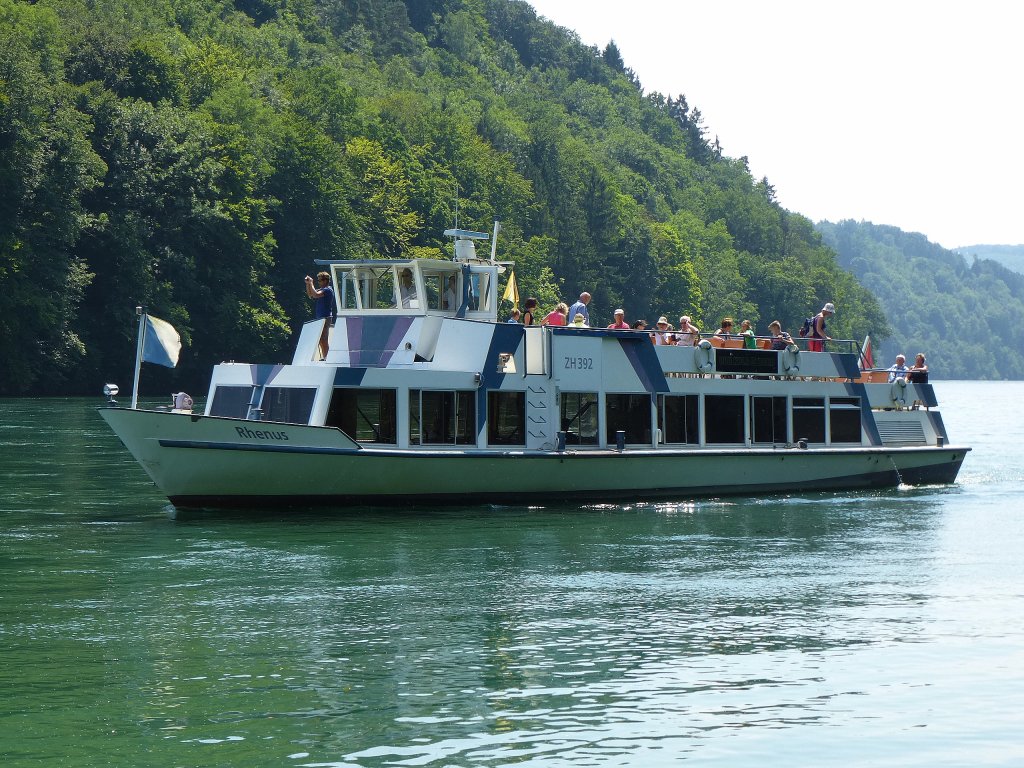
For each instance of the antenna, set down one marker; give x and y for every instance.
(494, 239)
(456, 205)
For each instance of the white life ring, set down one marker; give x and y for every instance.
(898, 391)
(791, 359)
(703, 356)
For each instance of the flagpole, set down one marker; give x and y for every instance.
(140, 311)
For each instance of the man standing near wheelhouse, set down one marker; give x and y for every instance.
(324, 306)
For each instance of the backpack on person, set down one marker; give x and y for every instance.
(805, 329)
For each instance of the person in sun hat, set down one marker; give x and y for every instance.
(818, 337)
(663, 336)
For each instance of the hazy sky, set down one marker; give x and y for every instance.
(900, 112)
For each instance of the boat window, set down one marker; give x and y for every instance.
(232, 402)
(844, 419)
(442, 418)
(723, 419)
(433, 285)
(506, 418)
(678, 418)
(291, 405)
(479, 291)
(506, 362)
(384, 291)
(365, 415)
(809, 419)
(631, 414)
(579, 417)
(768, 419)
(366, 288)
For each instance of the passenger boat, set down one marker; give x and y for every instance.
(425, 399)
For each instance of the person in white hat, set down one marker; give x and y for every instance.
(817, 337)
(620, 323)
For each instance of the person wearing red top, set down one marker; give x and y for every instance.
(557, 315)
(620, 323)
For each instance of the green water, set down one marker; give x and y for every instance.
(855, 629)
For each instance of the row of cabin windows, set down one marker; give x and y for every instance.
(367, 287)
(448, 417)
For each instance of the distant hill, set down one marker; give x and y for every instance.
(1010, 256)
(962, 313)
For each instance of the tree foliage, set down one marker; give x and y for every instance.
(196, 156)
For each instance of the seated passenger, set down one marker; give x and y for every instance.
(780, 339)
(918, 372)
(529, 311)
(688, 334)
(726, 330)
(663, 336)
(579, 321)
(747, 332)
(620, 323)
(899, 369)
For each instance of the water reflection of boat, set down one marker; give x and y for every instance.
(422, 399)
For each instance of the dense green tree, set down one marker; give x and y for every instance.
(196, 156)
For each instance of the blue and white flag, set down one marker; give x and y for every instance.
(162, 343)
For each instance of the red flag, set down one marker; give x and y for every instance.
(867, 359)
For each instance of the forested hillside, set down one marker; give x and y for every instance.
(1010, 256)
(962, 314)
(195, 156)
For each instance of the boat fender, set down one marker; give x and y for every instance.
(899, 391)
(703, 356)
(791, 359)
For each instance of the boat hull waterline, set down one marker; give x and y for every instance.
(200, 461)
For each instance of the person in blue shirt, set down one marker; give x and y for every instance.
(899, 369)
(581, 308)
(324, 307)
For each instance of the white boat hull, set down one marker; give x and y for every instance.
(200, 461)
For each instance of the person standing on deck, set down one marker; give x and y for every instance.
(817, 337)
(324, 307)
(581, 308)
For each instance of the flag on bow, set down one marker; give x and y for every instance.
(162, 344)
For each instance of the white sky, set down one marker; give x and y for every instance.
(901, 112)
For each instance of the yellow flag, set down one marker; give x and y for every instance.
(512, 290)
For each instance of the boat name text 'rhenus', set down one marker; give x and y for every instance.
(260, 434)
